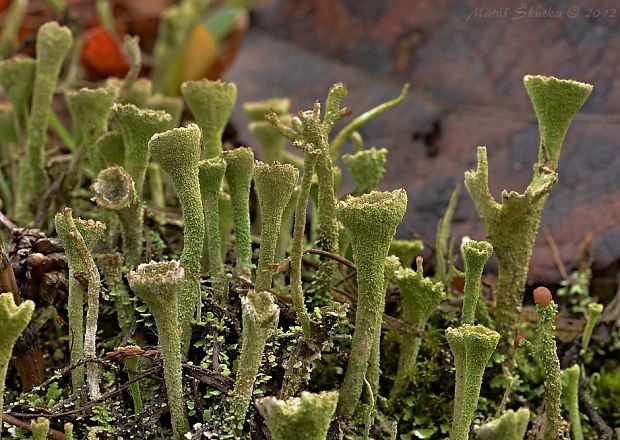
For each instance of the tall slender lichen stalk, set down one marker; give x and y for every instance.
(420, 296)
(211, 103)
(226, 222)
(137, 127)
(158, 285)
(310, 130)
(274, 185)
(259, 317)
(570, 394)
(302, 418)
(472, 346)
(178, 153)
(13, 321)
(297, 292)
(372, 219)
(239, 171)
(211, 175)
(513, 224)
(17, 80)
(547, 357)
(78, 237)
(39, 427)
(475, 255)
(53, 44)
(510, 426)
(594, 312)
(114, 189)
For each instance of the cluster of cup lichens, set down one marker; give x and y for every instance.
(130, 136)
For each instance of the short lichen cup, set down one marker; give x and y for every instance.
(475, 255)
(301, 418)
(211, 103)
(372, 220)
(472, 346)
(13, 321)
(158, 285)
(420, 296)
(274, 185)
(115, 190)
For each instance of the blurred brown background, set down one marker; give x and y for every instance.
(465, 61)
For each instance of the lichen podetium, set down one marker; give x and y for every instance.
(178, 153)
(512, 225)
(372, 219)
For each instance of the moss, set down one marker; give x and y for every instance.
(158, 285)
(372, 219)
(304, 418)
(178, 153)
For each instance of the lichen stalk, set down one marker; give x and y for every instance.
(53, 44)
(68, 427)
(13, 321)
(90, 110)
(420, 296)
(594, 312)
(512, 225)
(115, 190)
(39, 428)
(211, 175)
(274, 186)
(239, 171)
(406, 250)
(178, 152)
(211, 103)
(547, 356)
(137, 127)
(475, 255)
(78, 238)
(297, 291)
(372, 219)
(472, 346)
(304, 418)
(158, 285)
(259, 317)
(367, 168)
(512, 425)
(570, 395)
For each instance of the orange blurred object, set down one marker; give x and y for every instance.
(103, 54)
